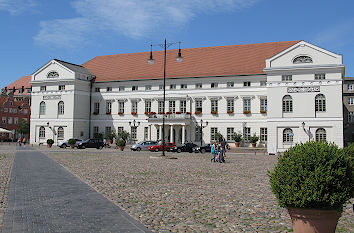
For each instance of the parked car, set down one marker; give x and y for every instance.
(187, 147)
(168, 146)
(64, 144)
(144, 145)
(91, 143)
(202, 149)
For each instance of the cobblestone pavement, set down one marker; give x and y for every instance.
(45, 197)
(189, 194)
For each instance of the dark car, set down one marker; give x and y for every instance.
(187, 147)
(91, 143)
(202, 149)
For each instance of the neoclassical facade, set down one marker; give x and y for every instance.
(284, 92)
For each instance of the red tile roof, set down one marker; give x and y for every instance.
(19, 83)
(198, 62)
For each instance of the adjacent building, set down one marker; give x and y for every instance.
(348, 109)
(284, 92)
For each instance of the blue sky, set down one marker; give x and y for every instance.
(35, 31)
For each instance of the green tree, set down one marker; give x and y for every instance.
(123, 135)
(24, 127)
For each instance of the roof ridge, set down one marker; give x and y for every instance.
(68, 62)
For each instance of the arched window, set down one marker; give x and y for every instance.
(288, 135)
(42, 108)
(287, 103)
(320, 103)
(60, 133)
(61, 108)
(53, 74)
(42, 132)
(320, 135)
(302, 59)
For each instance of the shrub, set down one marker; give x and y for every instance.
(110, 135)
(71, 141)
(314, 175)
(254, 138)
(121, 143)
(219, 137)
(237, 137)
(50, 141)
(123, 135)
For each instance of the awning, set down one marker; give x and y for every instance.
(5, 131)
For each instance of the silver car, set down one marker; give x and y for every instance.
(64, 144)
(144, 145)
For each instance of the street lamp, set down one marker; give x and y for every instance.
(151, 61)
(134, 124)
(201, 131)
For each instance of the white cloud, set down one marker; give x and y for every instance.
(16, 7)
(131, 18)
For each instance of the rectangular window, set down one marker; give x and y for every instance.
(286, 78)
(15, 110)
(108, 130)
(351, 100)
(320, 76)
(172, 106)
(11, 103)
(263, 134)
(213, 132)
(198, 132)
(183, 86)
(20, 91)
(214, 106)
(263, 105)
(109, 89)
(96, 108)
(61, 87)
(9, 120)
(121, 106)
(135, 88)
(3, 120)
(10, 110)
(147, 105)
(247, 105)
(199, 105)
(350, 87)
(108, 106)
(247, 134)
(230, 105)
(213, 85)
(121, 88)
(97, 89)
(146, 133)
(230, 132)
(43, 88)
(350, 116)
(25, 111)
(198, 86)
(230, 84)
(134, 106)
(147, 87)
(263, 83)
(120, 129)
(6, 109)
(29, 90)
(95, 130)
(246, 84)
(160, 106)
(16, 120)
(183, 106)
(161, 87)
(172, 86)
(133, 132)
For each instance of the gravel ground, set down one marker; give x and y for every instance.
(6, 161)
(189, 194)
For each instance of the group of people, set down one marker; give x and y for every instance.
(21, 140)
(218, 151)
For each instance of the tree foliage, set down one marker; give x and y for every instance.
(24, 127)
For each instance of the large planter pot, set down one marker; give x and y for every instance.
(72, 146)
(237, 144)
(254, 144)
(121, 148)
(110, 141)
(49, 145)
(314, 220)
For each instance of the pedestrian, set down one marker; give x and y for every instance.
(19, 141)
(220, 153)
(24, 141)
(213, 152)
(104, 142)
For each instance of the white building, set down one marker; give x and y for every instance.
(284, 92)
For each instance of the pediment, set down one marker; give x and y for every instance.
(53, 71)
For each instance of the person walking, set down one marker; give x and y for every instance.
(24, 141)
(19, 141)
(213, 152)
(220, 153)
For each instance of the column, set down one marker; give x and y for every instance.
(183, 134)
(171, 133)
(160, 132)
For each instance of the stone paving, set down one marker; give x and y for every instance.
(189, 194)
(45, 197)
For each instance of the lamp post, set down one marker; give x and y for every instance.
(134, 124)
(151, 62)
(201, 131)
(244, 133)
(307, 132)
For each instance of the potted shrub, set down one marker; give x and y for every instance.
(133, 113)
(120, 113)
(230, 112)
(214, 112)
(168, 113)
(178, 112)
(263, 111)
(246, 112)
(198, 112)
(121, 144)
(146, 113)
(161, 113)
(110, 136)
(219, 137)
(152, 113)
(313, 181)
(50, 142)
(72, 142)
(122, 135)
(237, 137)
(108, 113)
(253, 140)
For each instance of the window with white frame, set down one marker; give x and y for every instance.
(199, 105)
(10, 110)
(213, 131)
(158, 133)
(320, 76)
(95, 130)
(350, 100)
(183, 106)
(108, 130)
(183, 86)
(6, 109)
(321, 135)
(288, 135)
(97, 89)
(133, 132)
(287, 103)
(121, 88)
(172, 106)
(350, 116)
(214, 105)
(109, 89)
(320, 103)
(148, 87)
(134, 106)
(9, 120)
(230, 132)
(16, 120)
(108, 106)
(230, 84)
(96, 108)
(160, 106)
(213, 85)
(198, 133)
(230, 105)
(135, 88)
(286, 78)
(263, 134)
(42, 108)
(41, 132)
(61, 108)
(247, 104)
(61, 87)
(147, 105)
(198, 86)
(247, 134)
(246, 84)
(121, 106)
(349, 86)
(43, 88)
(263, 104)
(3, 120)
(60, 133)
(146, 133)
(172, 86)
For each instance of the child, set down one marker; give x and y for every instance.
(213, 151)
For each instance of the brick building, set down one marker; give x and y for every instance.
(348, 109)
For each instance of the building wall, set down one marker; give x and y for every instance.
(347, 110)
